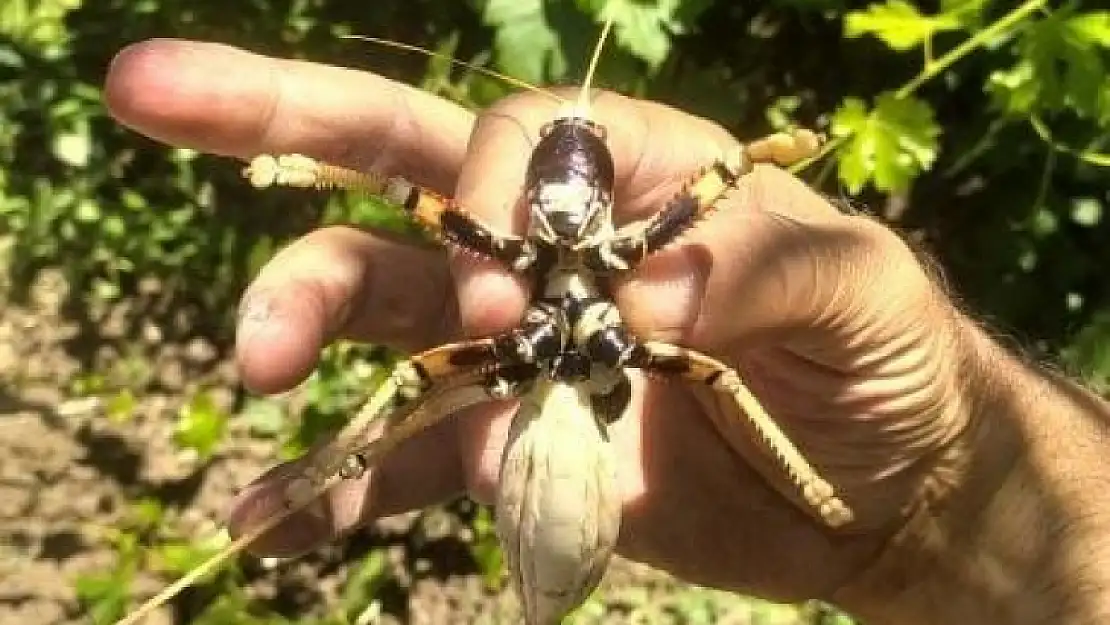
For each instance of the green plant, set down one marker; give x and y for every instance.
(979, 127)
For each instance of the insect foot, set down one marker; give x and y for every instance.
(558, 505)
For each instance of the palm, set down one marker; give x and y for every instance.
(827, 361)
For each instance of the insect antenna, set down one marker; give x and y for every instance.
(377, 401)
(204, 568)
(582, 105)
(485, 71)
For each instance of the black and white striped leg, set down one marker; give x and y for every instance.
(436, 214)
(697, 199)
(420, 392)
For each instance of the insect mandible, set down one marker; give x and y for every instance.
(567, 361)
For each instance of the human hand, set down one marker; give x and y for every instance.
(831, 319)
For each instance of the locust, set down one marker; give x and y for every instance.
(567, 363)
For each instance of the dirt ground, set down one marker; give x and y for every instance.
(69, 475)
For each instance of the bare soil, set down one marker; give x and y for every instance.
(69, 475)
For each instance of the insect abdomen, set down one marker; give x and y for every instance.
(558, 507)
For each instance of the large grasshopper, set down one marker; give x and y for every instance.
(558, 510)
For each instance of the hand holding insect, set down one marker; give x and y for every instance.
(833, 322)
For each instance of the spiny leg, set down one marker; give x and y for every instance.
(487, 364)
(421, 391)
(698, 198)
(607, 341)
(437, 214)
(598, 328)
(692, 366)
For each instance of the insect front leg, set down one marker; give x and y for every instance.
(629, 246)
(438, 215)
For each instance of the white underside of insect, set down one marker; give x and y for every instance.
(558, 470)
(558, 502)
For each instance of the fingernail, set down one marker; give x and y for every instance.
(302, 531)
(255, 314)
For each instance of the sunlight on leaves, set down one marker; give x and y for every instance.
(1061, 65)
(200, 425)
(888, 145)
(897, 23)
(526, 44)
(645, 28)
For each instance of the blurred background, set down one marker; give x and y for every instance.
(979, 128)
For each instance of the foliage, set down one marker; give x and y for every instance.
(888, 146)
(979, 127)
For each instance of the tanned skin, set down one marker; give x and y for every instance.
(978, 481)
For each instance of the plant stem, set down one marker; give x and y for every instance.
(933, 69)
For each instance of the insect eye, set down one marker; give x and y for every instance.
(599, 131)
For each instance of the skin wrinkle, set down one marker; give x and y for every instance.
(814, 265)
(641, 153)
(764, 533)
(651, 283)
(449, 178)
(855, 463)
(277, 93)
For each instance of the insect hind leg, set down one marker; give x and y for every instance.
(608, 342)
(815, 492)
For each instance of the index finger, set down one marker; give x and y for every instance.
(223, 100)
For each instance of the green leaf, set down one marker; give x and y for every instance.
(121, 406)
(200, 425)
(1061, 65)
(968, 13)
(897, 23)
(178, 558)
(486, 550)
(1093, 27)
(526, 44)
(104, 595)
(645, 28)
(234, 607)
(1089, 351)
(889, 145)
(365, 582)
(265, 417)
(145, 513)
